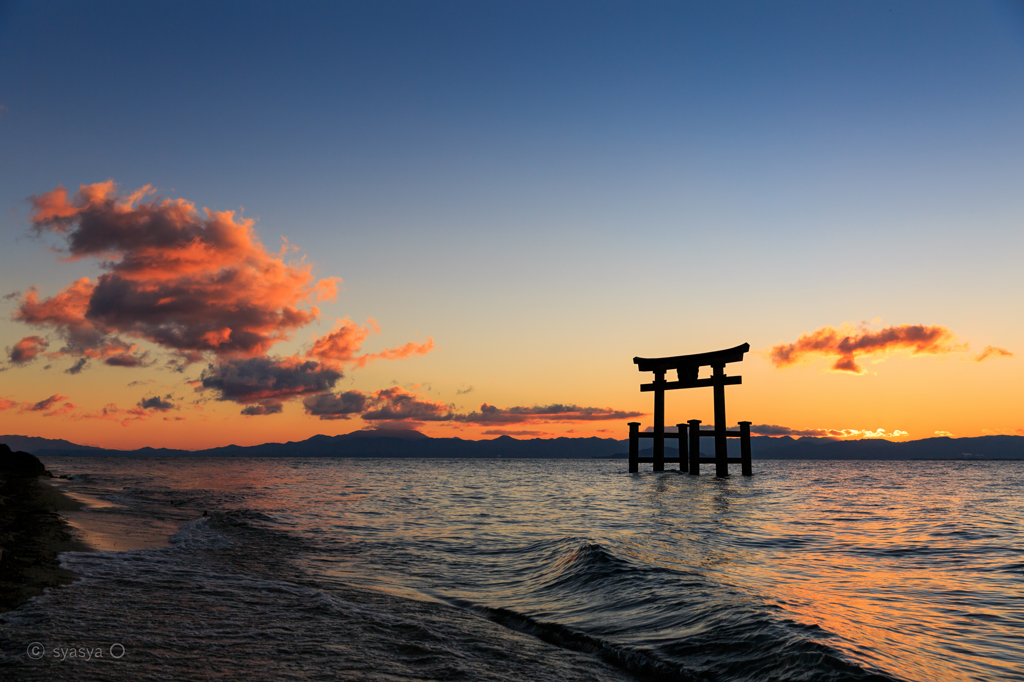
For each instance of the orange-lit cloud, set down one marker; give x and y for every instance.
(183, 279)
(847, 343)
(65, 313)
(27, 349)
(46, 404)
(775, 430)
(489, 414)
(992, 352)
(66, 408)
(408, 350)
(943, 434)
(342, 345)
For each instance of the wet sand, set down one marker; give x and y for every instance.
(32, 534)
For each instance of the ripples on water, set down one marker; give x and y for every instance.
(542, 569)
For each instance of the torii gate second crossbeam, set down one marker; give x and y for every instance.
(687, 368)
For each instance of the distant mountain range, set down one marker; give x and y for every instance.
(395, 443)
(34, 444)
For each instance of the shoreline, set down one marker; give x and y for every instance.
(33, 533)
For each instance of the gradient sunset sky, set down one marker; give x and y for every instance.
(249, 222)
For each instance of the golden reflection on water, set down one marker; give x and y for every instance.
(885, 565)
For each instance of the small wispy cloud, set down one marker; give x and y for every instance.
(489, 414)
(992, 352)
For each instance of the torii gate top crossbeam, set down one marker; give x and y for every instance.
(689, 363)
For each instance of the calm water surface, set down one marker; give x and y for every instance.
(535, 569)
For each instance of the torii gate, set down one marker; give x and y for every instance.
(687, 368)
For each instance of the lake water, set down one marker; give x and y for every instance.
(532, 570)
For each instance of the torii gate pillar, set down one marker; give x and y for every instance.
(721, 449)
(659, 421)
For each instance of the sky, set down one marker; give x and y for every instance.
(250, 222)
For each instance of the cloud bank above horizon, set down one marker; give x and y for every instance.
(200, 287)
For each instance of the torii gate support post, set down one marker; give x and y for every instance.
(694, 447)
(684, 460)
(748, 468)
(634, 447)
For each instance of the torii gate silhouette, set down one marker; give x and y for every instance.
(687, 368)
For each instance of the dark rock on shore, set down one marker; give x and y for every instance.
(20, 463)
(32, 533)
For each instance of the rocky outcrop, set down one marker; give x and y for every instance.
(20, 463)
